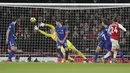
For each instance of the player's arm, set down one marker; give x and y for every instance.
(7, 35)
(15, 37)
(109, 30)
(121, 27)
(42, 32)
(98, 36)
(48, 25)
(66, 34)
(51, 26)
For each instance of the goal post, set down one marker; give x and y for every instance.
(83, 21)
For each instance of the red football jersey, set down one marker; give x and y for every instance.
(115, 30)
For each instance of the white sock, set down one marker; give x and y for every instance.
(115, 54)
(14, 59)
(107, 55)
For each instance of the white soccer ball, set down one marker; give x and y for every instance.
(111, 61)
(32, 19)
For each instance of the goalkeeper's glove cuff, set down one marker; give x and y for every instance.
(42, 24)
(36, 28)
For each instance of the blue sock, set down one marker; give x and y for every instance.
(11, 54)
(121, 55)
(66, 55)
(96, 56)
(60, 53)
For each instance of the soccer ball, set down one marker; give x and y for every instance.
(111, 61)
(32, 19)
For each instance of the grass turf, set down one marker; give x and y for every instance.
(63, 68)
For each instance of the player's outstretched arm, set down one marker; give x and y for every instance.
(48, 25)
(51, 26)
(42, 32)
(41, 24)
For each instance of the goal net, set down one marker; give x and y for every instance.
(82, 20)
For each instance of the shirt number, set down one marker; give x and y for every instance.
(104, 37)
(114, 30)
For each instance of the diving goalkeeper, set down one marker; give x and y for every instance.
(52, 35)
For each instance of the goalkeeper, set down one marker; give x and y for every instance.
(52, 34)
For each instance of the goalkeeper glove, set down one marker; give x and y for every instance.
(36, 28)
(42, 24)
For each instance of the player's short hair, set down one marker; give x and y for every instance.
(105, 21)
(116, 19)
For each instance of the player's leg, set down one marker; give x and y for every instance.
(9, 49)
(14, 57)
(64, 45)
(99, 47)
(115, 55)
(106, 56)
(109, 56)
(110, 52)
(70, 58)
(59, 46)
(115, 48)
(60, 52)
(12, 52)
(96, 53)
(117, 51)
(79, 53)
(121, 55)
(66, 50)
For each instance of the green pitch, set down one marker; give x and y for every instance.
(63, 68)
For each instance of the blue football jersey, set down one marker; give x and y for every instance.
(12, 31)
(104, 36)
(61, 32)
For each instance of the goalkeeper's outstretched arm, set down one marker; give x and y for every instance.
(42, 32)
(48, 25)
(51, 26)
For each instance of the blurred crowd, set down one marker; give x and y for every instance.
(83, 27)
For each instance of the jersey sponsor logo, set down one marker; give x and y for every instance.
(61, 32)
